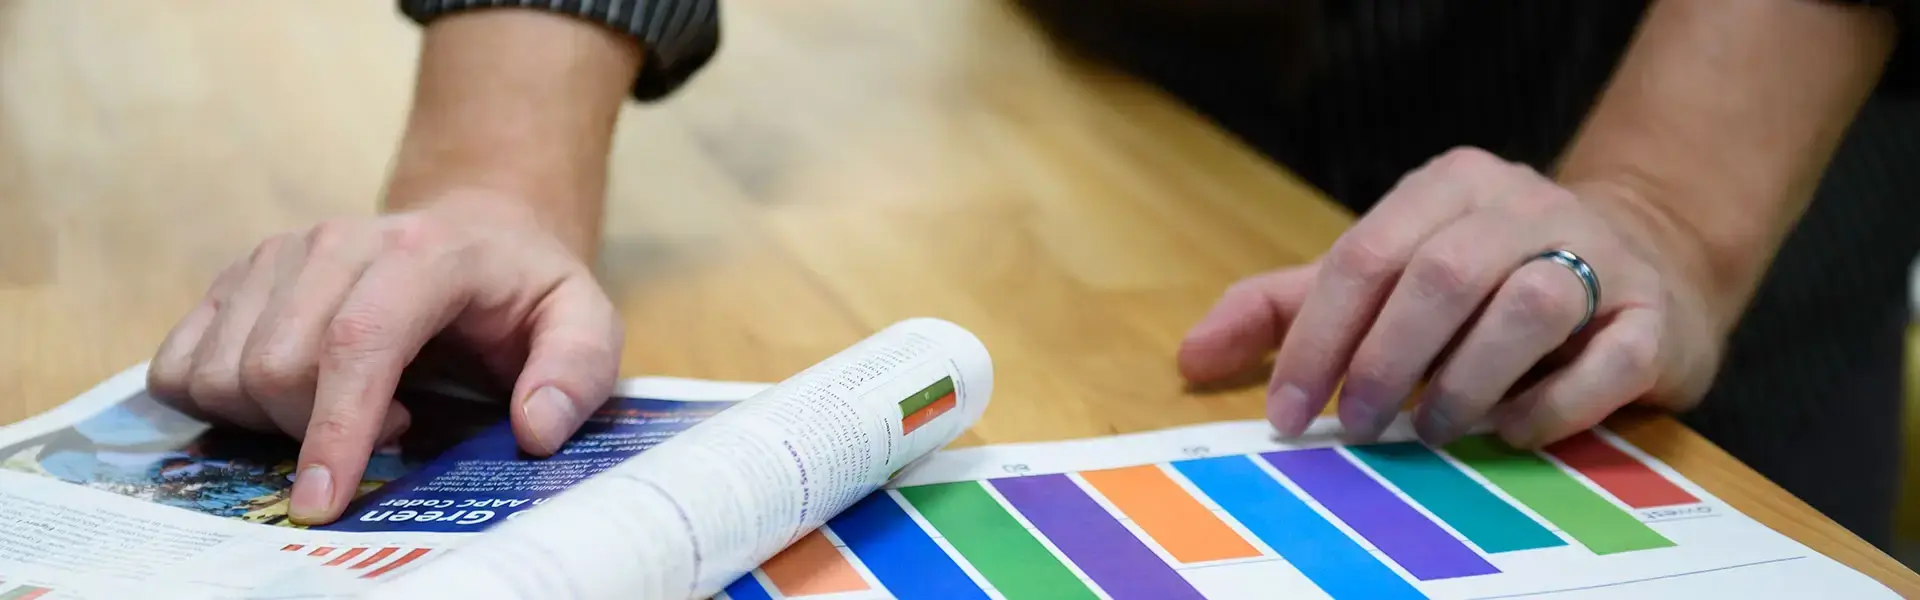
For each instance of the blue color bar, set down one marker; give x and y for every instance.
(1320, 551)
(1409, 538)
(901, 554)
(747, 588)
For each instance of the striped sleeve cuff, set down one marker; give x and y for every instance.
(680, 36)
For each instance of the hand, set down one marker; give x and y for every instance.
(309, 335)
(1436, 284)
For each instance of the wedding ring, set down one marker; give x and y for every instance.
(1580, 269)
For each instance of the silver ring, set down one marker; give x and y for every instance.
(1584, 271)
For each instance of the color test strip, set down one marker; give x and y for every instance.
(1323, 553)
(25, 592)
(747, 588)
(382, 553)
(1409, 538)
(291, 548)
(1097, 543)
(345, 556)
(899, 553)
(1617, 472)
(321, 551)
(1556, 496)
(1171, 516)
(997, 546)
(397, 563)
(926, 405)
(1447, 492)
(812, 566)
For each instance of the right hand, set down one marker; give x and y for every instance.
(309, 335)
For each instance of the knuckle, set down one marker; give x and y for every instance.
(1539, 295)
(412, 234)
(355, 330)
(1540, 198)
(1364, 257)
(1468, 159)
(1442, 273)
(274, 371)
(333, 427)
(328, 236)
(1371, 367)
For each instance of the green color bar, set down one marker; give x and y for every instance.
(23, 592)
(1444, 490)
(1556, 496)
(997, 546)
(926, 396)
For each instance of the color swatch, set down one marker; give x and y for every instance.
(25, 592)
(926, 405)
(1369, 521)
(375, 561)
(1557, 497)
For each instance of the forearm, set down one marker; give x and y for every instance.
(518, 105)
(1718, 124)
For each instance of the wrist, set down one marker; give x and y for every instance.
(1717, 283)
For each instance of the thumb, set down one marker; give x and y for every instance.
(1248, 322)
(573, 362)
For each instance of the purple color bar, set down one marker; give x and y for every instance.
(1389, 523)
(1090, 537)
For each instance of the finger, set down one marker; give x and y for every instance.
(1616, 368)
(1358, 272)
(1534, 312)
(1245, 325)
(393, 425)
(171, 368)
(215, 385)
(572, 365)
(1448, 280)
(394, 308)
(283, 354)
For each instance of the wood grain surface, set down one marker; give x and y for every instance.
(841, 165)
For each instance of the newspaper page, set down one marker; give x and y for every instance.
(698, 512)
(115, 495)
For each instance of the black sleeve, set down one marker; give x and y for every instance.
(679, 36)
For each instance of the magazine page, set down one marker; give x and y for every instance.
(701, 510)
(115, 495)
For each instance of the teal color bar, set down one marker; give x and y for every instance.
(1456, 499)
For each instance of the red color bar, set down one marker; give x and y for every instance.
(345, 556)
(383, 553)
(291, 548)
(1617, 472)
(929, 413)
(397, 563)
(321, 551)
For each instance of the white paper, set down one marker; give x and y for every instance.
(1717, 552)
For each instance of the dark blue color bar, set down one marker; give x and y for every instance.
(901, 554)
(1320, 551)
(747, 588)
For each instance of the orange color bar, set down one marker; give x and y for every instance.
(813, 566)
(397, 563)
(1171, 516)
(929, 413)
(291, 548)
(345, 556)
(383, 553)
(321, 551)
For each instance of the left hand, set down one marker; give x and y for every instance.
(1440, 282)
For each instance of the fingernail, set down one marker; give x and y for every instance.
(1367, 409)
(312, 495)
(1433, 424)
(1286, 409)
(551, 417)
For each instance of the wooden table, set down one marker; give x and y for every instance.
(843, 164)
